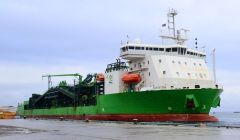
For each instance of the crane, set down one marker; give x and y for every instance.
(58, 75)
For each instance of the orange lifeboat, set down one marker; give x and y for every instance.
(131, 78)
(100, 77)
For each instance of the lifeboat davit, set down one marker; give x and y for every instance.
(131, 78)
(100, 77)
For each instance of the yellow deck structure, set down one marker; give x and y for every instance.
(7, 114)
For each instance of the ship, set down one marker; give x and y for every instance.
(147, 83)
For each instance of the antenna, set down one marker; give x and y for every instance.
(128, 39)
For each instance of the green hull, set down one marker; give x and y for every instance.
(146, 102)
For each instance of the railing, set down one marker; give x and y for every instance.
(140, 85)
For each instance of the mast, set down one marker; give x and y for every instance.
(214, 66)
(171, 21)
(49, 81)
(174, 34)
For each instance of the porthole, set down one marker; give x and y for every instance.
(177, 73)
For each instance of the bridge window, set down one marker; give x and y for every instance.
(174, 49)
(124, 49)
(155, 49)
(161, 49)
(190, 53)
(131, 48)
(137, 48)
(168, 50)
(181, 51)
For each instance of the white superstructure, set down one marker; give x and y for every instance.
(113, 74)
(167, 67)
(162, 66)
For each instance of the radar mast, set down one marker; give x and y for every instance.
(174, 34)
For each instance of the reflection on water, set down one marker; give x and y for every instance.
(62, 130)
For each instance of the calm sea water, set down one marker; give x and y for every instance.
(29, 129)
(229, 119)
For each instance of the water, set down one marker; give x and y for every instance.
(228, 119)
(19, 129)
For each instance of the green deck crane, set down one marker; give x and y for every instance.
(58, 75)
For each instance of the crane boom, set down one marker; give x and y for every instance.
(58, 75)
(55, 75)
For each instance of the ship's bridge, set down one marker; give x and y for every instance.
(133, 51)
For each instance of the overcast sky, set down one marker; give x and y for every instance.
(71, 36)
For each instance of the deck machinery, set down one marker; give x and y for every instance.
(81, 94)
